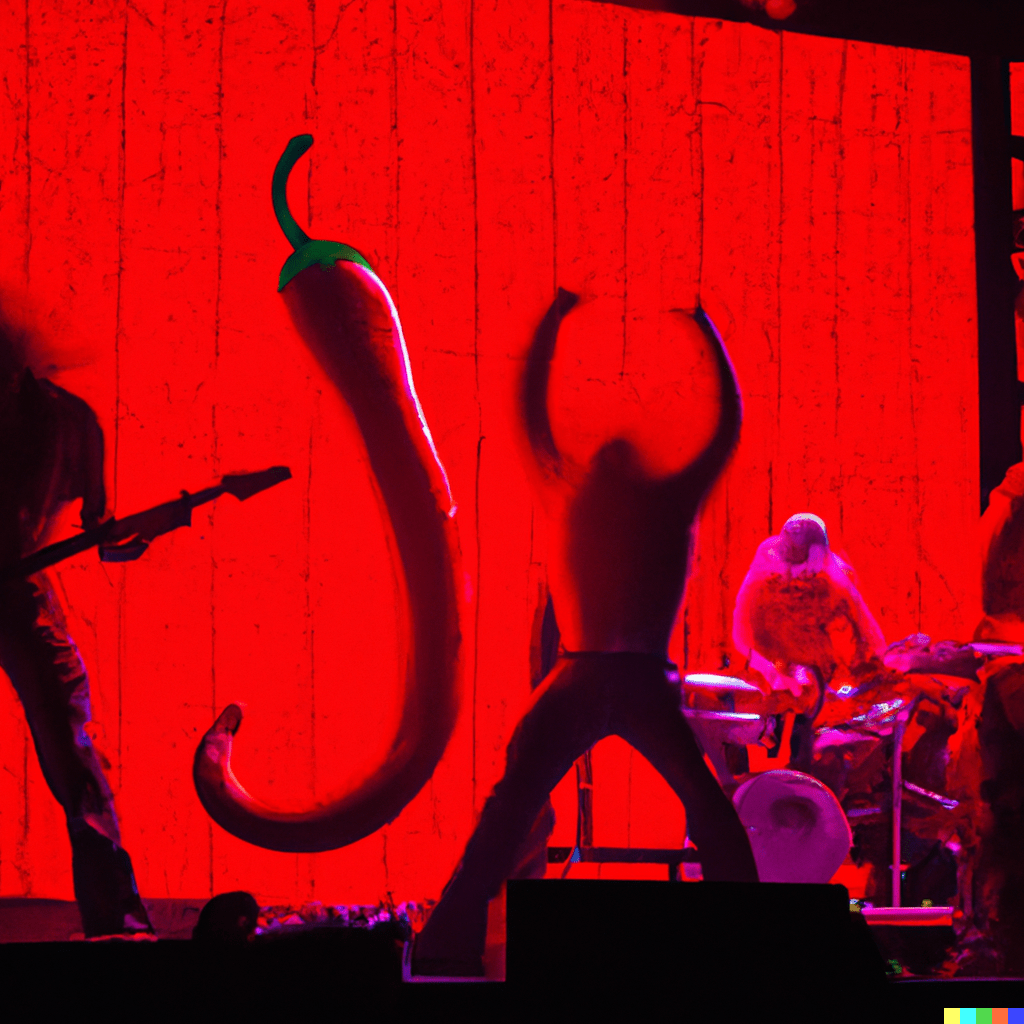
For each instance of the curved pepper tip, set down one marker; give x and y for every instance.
(307, 251)
(228, 720)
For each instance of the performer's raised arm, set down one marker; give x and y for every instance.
(700, 474)
(534, 392)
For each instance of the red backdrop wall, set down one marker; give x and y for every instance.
(815, 194)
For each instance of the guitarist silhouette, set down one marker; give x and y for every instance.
(51, 453)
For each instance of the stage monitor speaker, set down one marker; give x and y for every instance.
(594, 939)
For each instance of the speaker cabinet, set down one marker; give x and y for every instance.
(591, 940)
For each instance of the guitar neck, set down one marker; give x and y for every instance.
(203, 496)
(54, 553)
(145, 526)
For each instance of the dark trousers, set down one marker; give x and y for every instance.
(49, 676)
(584, 699)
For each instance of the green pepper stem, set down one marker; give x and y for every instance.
(279, 190)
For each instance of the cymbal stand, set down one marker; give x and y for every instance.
(899, 729)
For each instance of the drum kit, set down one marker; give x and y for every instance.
(797, 827)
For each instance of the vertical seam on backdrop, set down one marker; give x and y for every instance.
(625, 190)
(216, 316)
(696, 83)
(625, 317)
(398, 149)
(216, 359)
(840, 157)
(396, 291)
(697, 75)
(778, 283)
(122, 158)
(314, 419)
(120, 254)
(551, 152)
(28, 150)
(311, 5)
(476, 383)
(907, 177)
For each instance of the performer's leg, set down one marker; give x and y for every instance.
(568, 715)
(531, 860)
(647, 714)
(51, 681)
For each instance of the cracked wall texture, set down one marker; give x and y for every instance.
(814, 195)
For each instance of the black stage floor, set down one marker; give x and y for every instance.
(171, 980)
(653, 950)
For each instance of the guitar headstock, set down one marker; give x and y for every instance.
(245, 485)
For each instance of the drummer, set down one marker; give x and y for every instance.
(800, 620)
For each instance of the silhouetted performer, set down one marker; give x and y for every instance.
(617, 576)
(991, 932)
(51, 453)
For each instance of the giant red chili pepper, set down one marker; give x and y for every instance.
(345, 315)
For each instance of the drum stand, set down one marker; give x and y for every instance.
(584, 852)
(704, 724)
(897, 914)
(897, 798)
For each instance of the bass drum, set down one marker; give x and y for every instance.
(797, 830)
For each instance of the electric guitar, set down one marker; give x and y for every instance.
(124, 540)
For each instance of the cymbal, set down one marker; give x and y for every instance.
(724, 684)
(999, 650)
(722, 716)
